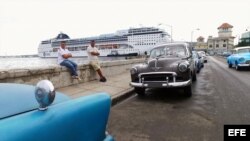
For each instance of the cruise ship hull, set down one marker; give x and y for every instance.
(131, 42)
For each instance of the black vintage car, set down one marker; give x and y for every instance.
(168, 65)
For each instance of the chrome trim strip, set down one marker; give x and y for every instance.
(174, 84)
(244, 65)
(149, 73)
(173, 73)
(155, 82)
(174, 79)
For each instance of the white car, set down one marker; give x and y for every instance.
(203, 55)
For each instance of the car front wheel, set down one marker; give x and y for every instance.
(194, 76)
(188, 91)
(237, 67)
(198, 70)
(140, 91)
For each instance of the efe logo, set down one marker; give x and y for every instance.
(236, 132)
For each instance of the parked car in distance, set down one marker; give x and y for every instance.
(226, 53)
(210, 53)
(201, 59)
(26, 114)
(203, 55)
(198, 61)
(240, 58)
(169, 65)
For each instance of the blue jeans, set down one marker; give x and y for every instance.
(72, 66)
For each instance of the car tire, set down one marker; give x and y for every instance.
(229, 65)
(198, 70)
(188, 91)
(237, 67)
(194, 76)
(140, 91)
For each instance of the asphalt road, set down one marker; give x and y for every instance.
(220, 96)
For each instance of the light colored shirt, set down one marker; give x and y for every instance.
(90, 56)
(61, 52)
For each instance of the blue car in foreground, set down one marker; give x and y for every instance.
(29, 113)
(240, 58)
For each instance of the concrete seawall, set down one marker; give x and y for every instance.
(60, 76)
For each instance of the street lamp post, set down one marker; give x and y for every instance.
(248, 29)
(171, 28)
(192, 32)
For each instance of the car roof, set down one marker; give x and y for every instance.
(169, 44)
(203, 52)
(241, 47)
(20, 98)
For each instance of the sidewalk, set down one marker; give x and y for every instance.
(117, 86)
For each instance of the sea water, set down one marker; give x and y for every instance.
(37, 62)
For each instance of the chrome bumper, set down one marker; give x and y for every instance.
(161, 84)
(243, 65)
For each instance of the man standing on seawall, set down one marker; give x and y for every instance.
(63, 55)
(93, 54)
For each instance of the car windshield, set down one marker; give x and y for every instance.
(245, 50)
(177, 51)
(194, 54)
(202, 53)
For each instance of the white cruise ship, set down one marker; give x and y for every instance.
(130, 42)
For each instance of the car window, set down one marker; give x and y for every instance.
(202, 53)
(245, 50)
(157, 52)
(177, 51)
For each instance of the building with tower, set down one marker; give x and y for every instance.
(200, 45)
(224, 42)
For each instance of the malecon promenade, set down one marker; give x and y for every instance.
(117, 73)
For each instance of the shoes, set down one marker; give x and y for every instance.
(103, 79)
(76, 77)
(79, 78)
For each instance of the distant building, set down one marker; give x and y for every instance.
(245, 39)
(224, 41)
(200, 45)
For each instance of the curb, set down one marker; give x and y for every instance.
(122, 96)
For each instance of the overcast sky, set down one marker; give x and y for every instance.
(24, 23)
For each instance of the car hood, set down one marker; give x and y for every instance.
(245, 55)
(164, 64)
(20, 98)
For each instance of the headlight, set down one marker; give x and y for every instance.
(183, 67)
(241, 59)
(133, 71)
